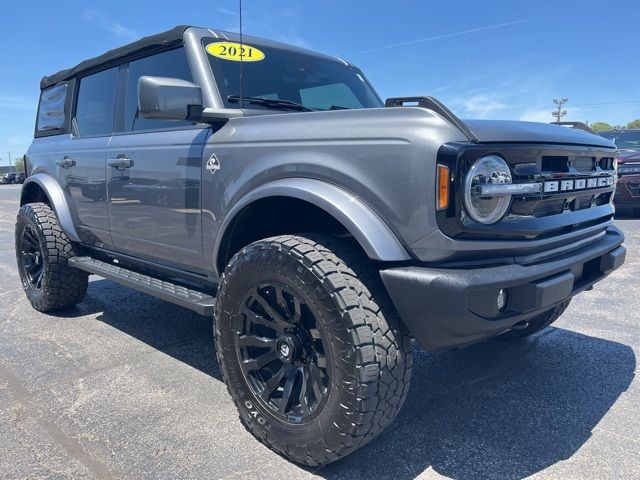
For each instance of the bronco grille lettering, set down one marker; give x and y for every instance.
(580, 184)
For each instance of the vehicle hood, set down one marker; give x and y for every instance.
(628, 156)
(490, 131)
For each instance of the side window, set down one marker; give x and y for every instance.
(51, 115)
(173, 64)
(96, 102)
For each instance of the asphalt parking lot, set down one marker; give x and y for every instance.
(127, 386)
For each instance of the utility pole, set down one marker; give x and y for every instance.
(9, 162)
(559, 113)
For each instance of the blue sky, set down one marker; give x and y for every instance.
(487, 59)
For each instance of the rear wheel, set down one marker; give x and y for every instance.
(315, 361)
(42, 251)
(536, 324)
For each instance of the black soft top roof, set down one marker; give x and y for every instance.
(112, 56)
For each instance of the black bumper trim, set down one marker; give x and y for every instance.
(447, 307)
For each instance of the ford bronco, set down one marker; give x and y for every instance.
(270, 188)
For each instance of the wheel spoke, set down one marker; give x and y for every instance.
(260, 320)
(316, 380)
(38, 280)
(273, 383)
(303, 398)
(288, 387)
(280, 299)
(315, 333)
(321, 360)
(261, 361)
(31, 238)
(256, 341)
(296, 309)
(269, 310)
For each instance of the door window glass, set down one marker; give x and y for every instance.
(96, 101)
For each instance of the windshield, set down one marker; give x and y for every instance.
(276, 74)
(625, 140)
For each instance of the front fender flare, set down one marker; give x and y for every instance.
(58, 201)
(370, 231)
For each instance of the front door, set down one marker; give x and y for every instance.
(154, 170)
(154, 195)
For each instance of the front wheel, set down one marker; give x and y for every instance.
(312, 353)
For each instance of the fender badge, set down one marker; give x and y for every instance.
(213, 164)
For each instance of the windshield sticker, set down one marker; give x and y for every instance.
(235, 52)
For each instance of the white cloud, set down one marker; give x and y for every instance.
(226, 11)
(543, 116)
(101, 20)
(481, 105)
(446, 35)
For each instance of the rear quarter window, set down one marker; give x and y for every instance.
(51, 111)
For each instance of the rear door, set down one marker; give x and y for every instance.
(154, 170)
(82, 155)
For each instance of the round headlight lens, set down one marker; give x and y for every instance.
(487, 170)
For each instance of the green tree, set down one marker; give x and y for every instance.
(599, 126)
(634, 124)
(19, 164)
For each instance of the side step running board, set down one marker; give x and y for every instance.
(198, 301)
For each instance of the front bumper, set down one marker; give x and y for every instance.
(453, 307)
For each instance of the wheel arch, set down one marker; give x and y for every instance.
(42, 187)
(371, 232)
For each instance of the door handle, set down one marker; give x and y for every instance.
(120, 162)
(66, 162)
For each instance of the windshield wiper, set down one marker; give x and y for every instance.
(338, 107)
(271, 103)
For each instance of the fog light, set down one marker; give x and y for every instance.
(501, 301)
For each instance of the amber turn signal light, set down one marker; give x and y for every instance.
(442, 194)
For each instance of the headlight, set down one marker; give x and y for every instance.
(486, 209)
(627, 169)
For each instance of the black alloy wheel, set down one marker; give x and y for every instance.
(32, 263)
(282, 354)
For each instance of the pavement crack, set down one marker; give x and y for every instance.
(71, 444)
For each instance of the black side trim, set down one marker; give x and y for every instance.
(435, 105)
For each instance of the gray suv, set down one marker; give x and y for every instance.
(270, 188)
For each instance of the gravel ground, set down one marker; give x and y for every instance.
(127, 386)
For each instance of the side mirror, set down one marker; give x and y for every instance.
(168, 98)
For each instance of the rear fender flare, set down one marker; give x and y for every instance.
(57, 199)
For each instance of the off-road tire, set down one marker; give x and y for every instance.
(536, 324)
(61, 285)
(370, 349)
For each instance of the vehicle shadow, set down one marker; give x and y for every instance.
(169, 328)
(496, 410)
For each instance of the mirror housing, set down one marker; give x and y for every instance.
(167, 98)
(175, 99)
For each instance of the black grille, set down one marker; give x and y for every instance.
(573, 205)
